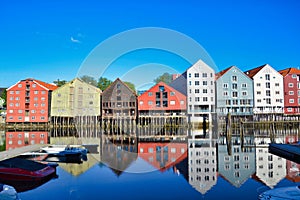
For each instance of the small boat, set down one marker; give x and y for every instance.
(25, 174)
(292, 192)
(64, 150)
(8, 192)
(24, 170)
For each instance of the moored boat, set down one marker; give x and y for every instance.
(17, 169)
(64, 150)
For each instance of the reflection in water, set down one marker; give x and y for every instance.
(201, 160)
(202, 164)
(239, 165)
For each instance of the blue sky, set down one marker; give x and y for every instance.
(49, 40)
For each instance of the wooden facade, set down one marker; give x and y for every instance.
(118, 100)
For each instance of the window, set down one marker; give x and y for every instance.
(244, 93)
(181, 102)
(291, 100)
(228, 102)
(204, 91)
(291, 85)
(141, 102)
(258, 100)
(43, 98)
(267, 84)
(32, 111)
(294, 75)
(43, 92)
(204, 75)
(196, 75)
(157, 103)
(258, 84)
(225, 85)
(244, 85)
(234, 78)
(42, 117)
(161, 88)
(33, 117)
(34, 85)
(172, 93)
(204, 82)
(277, 92)
(11, 92)
(19, 85)
(196, 82)
(17, 98)
(205, 99)
(276, 84)
(35, 98)
(234, 94)
(289, 109)
(17, 92)
(190, 75)
(150, 103)
(196, 90)
(258, 92)
(225, 93)
(150, 94)
(190, 82)
(291, 92)
(20, 111)
(17, 104)
(36, 92)
(268, 100)
(268, 93)
(42, 111)
(172, 103)
(234, 86)
(197, 99)
(267, 76)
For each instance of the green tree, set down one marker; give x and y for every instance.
(103, 83)
(130, 85)
(166, 78)
(89, 79)
(59, 83)
(4, 96)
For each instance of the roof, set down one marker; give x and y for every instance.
(46, 85)
(253, 72)
(287, 71)
(114, 83)
(218, 75)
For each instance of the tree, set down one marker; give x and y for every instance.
(130, 85)
(166, 78)
(89, 80)
(60, 83)
(103, 83)
(4, 96)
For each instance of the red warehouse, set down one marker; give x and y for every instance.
(29, 101)
(162, 99)
(291, 87)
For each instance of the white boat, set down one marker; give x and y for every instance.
(64, 150)
(8, 192)
(292, 192)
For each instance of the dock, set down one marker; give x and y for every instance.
(288, 151)
(15, 152)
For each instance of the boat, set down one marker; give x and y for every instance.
(64, 150)
(288, 151)
(292, 192)
(8, 192)
(25, 174)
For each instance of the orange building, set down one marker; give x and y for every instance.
(29, 101)
(162, 98)
(21, 139)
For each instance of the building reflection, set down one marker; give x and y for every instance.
(163, 155)
(117, 154)
(202, 164)
(270, 169)
(236, 163)
(23, 138)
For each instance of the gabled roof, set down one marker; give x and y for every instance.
(253, 72)
(166, 86)
(218, 75)
(287, 71)
(114, 83)
(46, 85)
